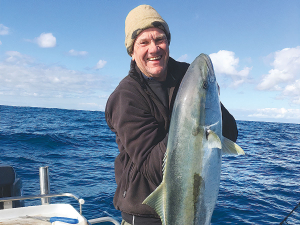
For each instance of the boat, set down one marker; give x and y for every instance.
(13, 209)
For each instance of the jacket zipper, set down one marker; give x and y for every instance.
(128, 179)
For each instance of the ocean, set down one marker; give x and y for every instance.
(261, 187)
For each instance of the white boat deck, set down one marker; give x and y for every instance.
(17, 216)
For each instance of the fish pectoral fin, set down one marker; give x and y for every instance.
(213, 140)
(231, 148)
(156, 201)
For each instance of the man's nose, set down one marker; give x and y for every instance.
(153, 47)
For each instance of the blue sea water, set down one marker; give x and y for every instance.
(261, 187)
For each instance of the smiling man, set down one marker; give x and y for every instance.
(139, 112)
(151, 53)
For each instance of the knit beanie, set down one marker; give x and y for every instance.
(142, 18)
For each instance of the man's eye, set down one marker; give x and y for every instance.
(160, 40)
(143, 42)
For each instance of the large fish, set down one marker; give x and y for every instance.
(191, 176)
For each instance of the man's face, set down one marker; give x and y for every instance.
(151, 53)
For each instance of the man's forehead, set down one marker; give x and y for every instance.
(151, 33)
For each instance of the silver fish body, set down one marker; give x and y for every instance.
(190, 186)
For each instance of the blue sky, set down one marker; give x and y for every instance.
(71, 54)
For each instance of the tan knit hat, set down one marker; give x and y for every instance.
(139, 19)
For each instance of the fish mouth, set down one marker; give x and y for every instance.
(154, 58)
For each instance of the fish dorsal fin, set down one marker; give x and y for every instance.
(231, 148)
(213, 139)
(156, 201)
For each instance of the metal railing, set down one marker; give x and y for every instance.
(80, 201)
(45, 197)
(104, 219)
(20, 198)
(44, 184)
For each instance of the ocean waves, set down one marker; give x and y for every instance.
(261, 187)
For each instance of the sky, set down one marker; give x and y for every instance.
(70, 54)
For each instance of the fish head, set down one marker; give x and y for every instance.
(205, 96)
(213, 115)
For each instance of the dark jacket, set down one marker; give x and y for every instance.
(141, 122)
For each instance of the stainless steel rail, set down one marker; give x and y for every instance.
(104, 219)
(44, 184)
(16, 198)
(45, 197)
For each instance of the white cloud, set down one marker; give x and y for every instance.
(285, 75)
(46, 40)
(0, 43)
(182, 58)
(100, 64)
(73, 52)
(21, 76)
(225, 64)
(277, 113)
(4, 30)
(17, 58)
(293, 92)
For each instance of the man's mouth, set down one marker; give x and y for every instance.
(154, 58)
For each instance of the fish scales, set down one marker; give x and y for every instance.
(190, 186)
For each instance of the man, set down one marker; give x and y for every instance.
(139, 112)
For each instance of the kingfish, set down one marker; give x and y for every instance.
(192, 165)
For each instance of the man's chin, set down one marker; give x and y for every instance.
(160, 76)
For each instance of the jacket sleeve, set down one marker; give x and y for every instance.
(141, 136)
(229, 128)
